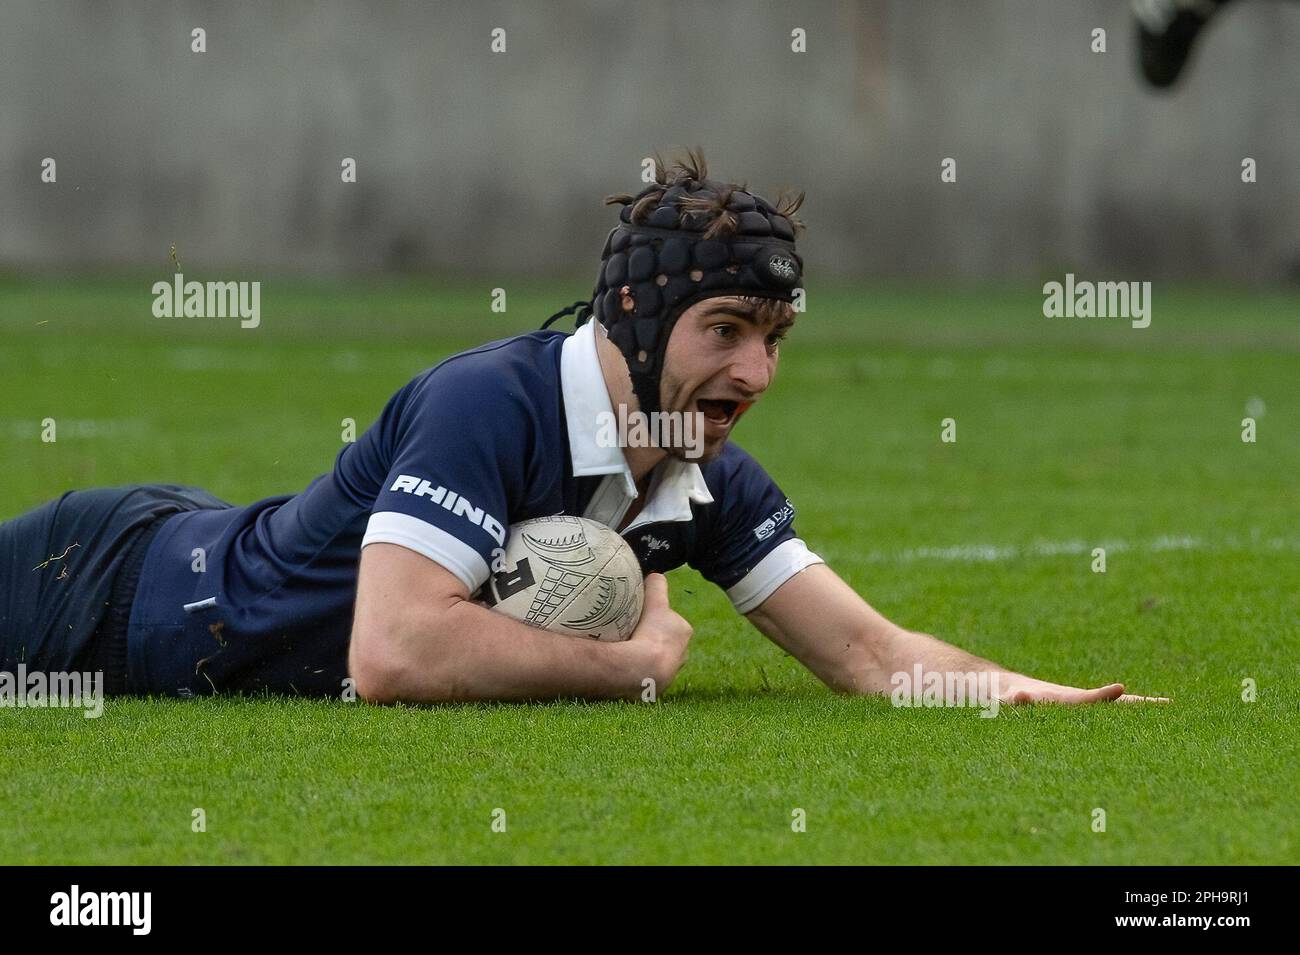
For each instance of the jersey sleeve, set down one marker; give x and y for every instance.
(455, 446)
(750, 547)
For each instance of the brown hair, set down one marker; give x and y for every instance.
(708, 202)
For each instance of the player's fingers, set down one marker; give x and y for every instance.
(1103, 694)
(1053, 693)
(656, 591)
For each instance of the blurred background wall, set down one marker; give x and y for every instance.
(480, 162)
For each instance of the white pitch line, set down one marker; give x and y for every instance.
(992, 553)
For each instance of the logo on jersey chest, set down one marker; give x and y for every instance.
(653, 543)
(658, 548)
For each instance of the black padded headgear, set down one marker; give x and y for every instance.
(653, 263)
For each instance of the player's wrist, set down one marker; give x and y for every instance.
(629, 666)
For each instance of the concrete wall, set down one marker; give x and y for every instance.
(496, 163)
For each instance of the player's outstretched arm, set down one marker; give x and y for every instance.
(819, 619)
(418, 638)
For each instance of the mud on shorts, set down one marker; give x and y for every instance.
(68, 575)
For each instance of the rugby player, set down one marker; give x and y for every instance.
(366, 579)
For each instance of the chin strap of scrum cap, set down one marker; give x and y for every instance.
(652, 272)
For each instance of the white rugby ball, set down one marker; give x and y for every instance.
(569, 575)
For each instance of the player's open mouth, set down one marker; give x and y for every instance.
(721, 412)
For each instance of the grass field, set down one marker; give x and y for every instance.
(1071, 434)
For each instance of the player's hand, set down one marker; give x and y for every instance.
(1016, 689)
(657, 648)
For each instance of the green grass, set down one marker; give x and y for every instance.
(1071, 434)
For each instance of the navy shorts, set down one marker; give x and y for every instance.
(68, 574)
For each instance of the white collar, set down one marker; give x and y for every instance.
(674, 484)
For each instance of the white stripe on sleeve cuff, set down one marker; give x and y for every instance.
(391, 527)
(786, 560)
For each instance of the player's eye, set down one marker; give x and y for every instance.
(774, 340)
(725, 330)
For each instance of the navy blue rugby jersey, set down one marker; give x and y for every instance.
(261, 597)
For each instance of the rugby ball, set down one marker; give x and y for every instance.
(569, 575)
